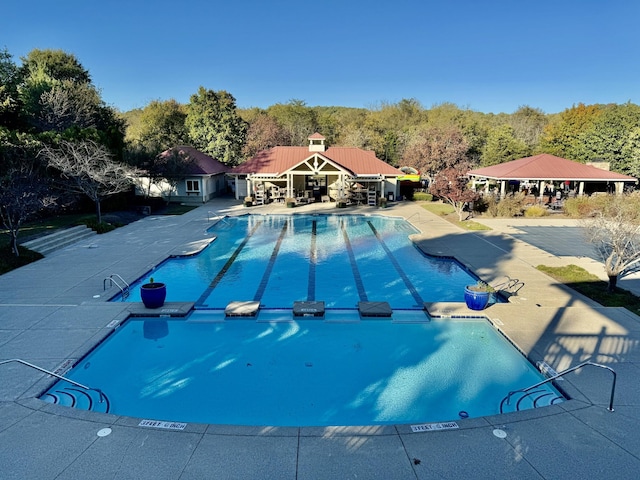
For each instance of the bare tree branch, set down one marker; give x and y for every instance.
(22, 195)
(90, 170)
(615, 234)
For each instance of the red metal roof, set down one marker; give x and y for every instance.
(547, 167)
(278, 160)
(203, 164)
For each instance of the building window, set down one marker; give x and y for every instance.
(193, 187)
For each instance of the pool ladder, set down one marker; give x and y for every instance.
(118, 281)
(216, 216)
(530, 390)
(68, 391)
(509, 285)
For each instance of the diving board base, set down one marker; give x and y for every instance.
(242, 309)
(374, 309)
(308, 309)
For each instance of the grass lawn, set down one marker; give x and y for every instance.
(447, 212)
(591, 286)
(8, 261)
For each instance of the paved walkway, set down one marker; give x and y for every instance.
(55, 310)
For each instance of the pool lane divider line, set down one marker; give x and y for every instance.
(267, 273)
(313, 260)
(354, 266)
(214, 283)
(394, 261)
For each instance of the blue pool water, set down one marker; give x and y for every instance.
(341, 260)
(281, 370)
(309, 372)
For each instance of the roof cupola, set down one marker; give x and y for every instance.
(316, 143)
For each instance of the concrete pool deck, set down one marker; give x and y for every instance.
(53, 311)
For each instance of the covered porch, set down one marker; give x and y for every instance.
(315, 180)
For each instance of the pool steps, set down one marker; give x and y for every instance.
(91, 400)
(528, 400)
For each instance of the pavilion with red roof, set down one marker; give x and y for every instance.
(316, 172)
(544, 170)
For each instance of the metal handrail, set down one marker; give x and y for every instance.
(572, 369)
(211, 215)
(509, 283)
(60, 377)
(125, 290)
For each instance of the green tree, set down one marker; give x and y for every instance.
(214, 125)
(55, 64)
(161, 125)
(631, 154)
(562, 135)
(347, 125)
(58, 100)
(296, 119)
(41, 72)
(607, 136)
(528, 124)
(503, 146)
(388, 128)
(9, 78)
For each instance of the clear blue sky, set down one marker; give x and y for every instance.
(490, 56)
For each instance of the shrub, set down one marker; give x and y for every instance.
(481, 205)
(585, 207)
(422, 196)
(492, 206)
(511, 206)
(579, 207)
(535, 211)
(102, 227)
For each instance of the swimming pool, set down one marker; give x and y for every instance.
(341, 260)
(279, 371)
(276, 369)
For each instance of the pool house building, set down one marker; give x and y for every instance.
(317, 173)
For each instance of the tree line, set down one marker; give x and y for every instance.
(51, 96)
(402, 134)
